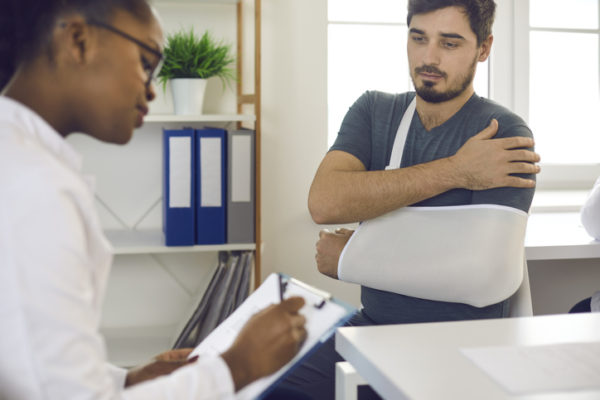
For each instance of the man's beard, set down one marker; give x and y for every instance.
(428, 92)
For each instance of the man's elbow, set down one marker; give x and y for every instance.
(321, 210)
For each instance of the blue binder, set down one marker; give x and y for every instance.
(179, 180)
(211, 183)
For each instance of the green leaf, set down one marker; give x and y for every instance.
(187, 56)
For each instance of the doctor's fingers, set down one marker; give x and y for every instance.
(344, 231)
(324, 232)
(174, 355)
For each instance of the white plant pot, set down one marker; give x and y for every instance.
(188, 95)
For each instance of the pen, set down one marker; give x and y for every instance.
(281, 288)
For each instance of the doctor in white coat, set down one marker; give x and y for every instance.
(87, 66)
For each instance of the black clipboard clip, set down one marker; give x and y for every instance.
(285, 280)
(282, 286)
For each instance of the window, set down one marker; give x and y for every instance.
(367, 51)
(561, 86)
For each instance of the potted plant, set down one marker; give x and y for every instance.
(189, 62)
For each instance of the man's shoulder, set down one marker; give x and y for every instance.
(509, 123)
(380, 106)
(498, 111)
(383, 106)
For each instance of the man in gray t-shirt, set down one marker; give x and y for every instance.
(460, 149)
(368, 132)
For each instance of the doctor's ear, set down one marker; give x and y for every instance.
(74, 41)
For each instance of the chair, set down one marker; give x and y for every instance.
(520, 301)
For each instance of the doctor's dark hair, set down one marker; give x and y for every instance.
(480, 13)
(26, 25)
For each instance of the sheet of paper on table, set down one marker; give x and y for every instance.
(536, 369)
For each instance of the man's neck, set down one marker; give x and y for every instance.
(435, 114)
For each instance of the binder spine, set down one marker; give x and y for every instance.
(178, 187)
(211, 185)
(241, 186)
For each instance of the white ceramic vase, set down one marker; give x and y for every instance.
(188, 95)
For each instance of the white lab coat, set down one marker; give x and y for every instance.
(54, 265)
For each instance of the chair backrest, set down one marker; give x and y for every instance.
(520, 302)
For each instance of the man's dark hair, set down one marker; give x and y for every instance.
(480, 13)
(26, 25)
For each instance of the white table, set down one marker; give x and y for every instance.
(423, 361)
(558, 236)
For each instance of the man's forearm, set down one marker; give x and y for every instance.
(351, 196)
(343, 192)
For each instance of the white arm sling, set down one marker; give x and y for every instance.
(469, 254)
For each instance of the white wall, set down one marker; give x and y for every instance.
(294, 117)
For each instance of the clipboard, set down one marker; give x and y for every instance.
(323, 315)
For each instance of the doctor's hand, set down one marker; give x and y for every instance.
(486, 163)
(268, 341)
(163, 364)
(329, 248)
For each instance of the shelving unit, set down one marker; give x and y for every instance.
(243, 99)
(141, 242)
(139, 324)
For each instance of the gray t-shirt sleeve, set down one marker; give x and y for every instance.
(521, 198)
(369, 127)
(354, 136)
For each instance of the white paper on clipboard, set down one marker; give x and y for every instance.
(320, 324)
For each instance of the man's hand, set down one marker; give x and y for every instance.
(329, 247)
(270, 339)
(486, 163)
(163, 364)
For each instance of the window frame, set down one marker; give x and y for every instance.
(511, 56)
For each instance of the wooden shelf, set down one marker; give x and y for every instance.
(200, 118)
(152, 242)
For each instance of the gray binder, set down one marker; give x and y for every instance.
(240, 186)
